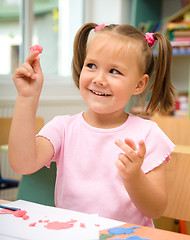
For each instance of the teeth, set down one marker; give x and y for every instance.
(100, 94)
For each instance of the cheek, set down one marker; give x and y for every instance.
(125, 91)
(83, 84)
(83, 81)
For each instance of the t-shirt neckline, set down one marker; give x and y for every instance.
(95, 129)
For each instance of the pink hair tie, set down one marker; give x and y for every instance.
(150, 39)
(99, 27)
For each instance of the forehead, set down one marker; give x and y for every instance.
(117, 48)
(112, 44)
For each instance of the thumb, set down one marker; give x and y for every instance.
(142, 149)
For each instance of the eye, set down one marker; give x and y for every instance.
(114, 71)
(91, 66)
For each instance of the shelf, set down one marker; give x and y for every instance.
(181, 52)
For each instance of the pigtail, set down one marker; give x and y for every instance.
(79, 50)
(163, 91)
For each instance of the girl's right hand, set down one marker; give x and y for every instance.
(28, 78)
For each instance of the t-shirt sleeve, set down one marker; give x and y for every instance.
(158, 148)
(53, 131)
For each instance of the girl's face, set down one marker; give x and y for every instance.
(110, 75)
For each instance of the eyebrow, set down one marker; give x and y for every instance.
(120, 67)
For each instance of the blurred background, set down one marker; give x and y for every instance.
(53, 25)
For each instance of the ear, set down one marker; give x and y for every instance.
(141, 84)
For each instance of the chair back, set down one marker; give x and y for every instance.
(5, 125)
(177, 129)
(178, 169)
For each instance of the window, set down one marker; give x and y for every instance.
(10, 35)
(50, 23)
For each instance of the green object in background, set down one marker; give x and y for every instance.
(39, 186)
(4, 148)
(145, 10)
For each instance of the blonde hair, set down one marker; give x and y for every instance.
(162, 90)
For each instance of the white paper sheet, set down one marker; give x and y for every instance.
(12, 227)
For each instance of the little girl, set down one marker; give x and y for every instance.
(108, 161)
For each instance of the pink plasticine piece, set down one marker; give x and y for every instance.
(59, 225)
(32, 224)
(36, 48)
(19, 213)
(46, 221)
(6, 211)
(82, 225)
(25, 217)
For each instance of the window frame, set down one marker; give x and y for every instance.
(56, 87)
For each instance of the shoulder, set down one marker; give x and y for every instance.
(58, 125)
(64, 120)
(141, 123)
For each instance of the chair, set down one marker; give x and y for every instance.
(39, 186)
(178, 169)
(5, 125)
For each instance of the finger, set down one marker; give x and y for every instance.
(130, 153)
(130, 143)
(37, 66)
(30, 70)
(142, 149)
(120, 166)
(31, 57)
(124, 159)
(28, 67)
(21, 71)
(125, 147)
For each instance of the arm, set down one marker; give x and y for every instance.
(26, 155)
(147, 191)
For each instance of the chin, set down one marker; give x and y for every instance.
(102, 111)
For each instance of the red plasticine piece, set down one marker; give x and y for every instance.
(36, 48)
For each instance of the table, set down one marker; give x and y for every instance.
(152, 234)
(143, 232)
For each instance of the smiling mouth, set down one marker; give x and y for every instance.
(100, 94)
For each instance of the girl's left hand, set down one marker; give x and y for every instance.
(129, 163)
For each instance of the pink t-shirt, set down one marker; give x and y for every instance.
(87, 177)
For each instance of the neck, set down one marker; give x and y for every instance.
(105, 121)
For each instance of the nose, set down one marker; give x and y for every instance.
(100, 79)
